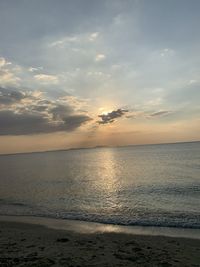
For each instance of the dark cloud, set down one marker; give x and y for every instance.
(74, 121)
(160, 113)
(10, 96)
(59, 111)
(36, 114)
(40, 108)
(111, 116)
(12, 123)
(22, 124)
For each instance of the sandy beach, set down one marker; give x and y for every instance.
(26, 244)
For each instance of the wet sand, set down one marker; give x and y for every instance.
(25, 244)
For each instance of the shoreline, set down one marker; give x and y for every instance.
(40, 243)
(86, 227)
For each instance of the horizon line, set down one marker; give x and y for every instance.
(95, 147)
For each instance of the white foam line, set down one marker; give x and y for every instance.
(91, 227)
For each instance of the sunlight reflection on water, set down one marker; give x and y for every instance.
(144, 185)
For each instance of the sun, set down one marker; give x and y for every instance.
(105, 111)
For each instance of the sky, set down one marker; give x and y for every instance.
(77, 73)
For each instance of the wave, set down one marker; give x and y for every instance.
(155, 220)
(120, 220)
(12, 203)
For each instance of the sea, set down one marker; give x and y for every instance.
(143, 185)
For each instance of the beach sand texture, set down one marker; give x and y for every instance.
(23, 244)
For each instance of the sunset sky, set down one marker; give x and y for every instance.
(79, 73)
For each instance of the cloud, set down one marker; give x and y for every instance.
(8, 73)
(33, 69)
(100, 57)
(167, 52)
(24, 113)
(2, 62)
(74, 121)
(46, 79)
(66, 40)
(59, 111)
(77, 39)
(9, 96)
(111, 116)
(8, 78)
(93, 36)
(12, 123)
(160, 113)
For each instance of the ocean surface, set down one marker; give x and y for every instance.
(149, 185)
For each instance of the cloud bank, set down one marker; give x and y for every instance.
(24, 112)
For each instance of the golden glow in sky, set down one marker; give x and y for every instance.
(116, 73)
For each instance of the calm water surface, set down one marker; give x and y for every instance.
(157, 185)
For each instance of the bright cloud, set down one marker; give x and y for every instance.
(2, 62)
(167, 52)
(34, 69)
(93, 36)
(8, 73)
(100, 57)
(46, 79)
